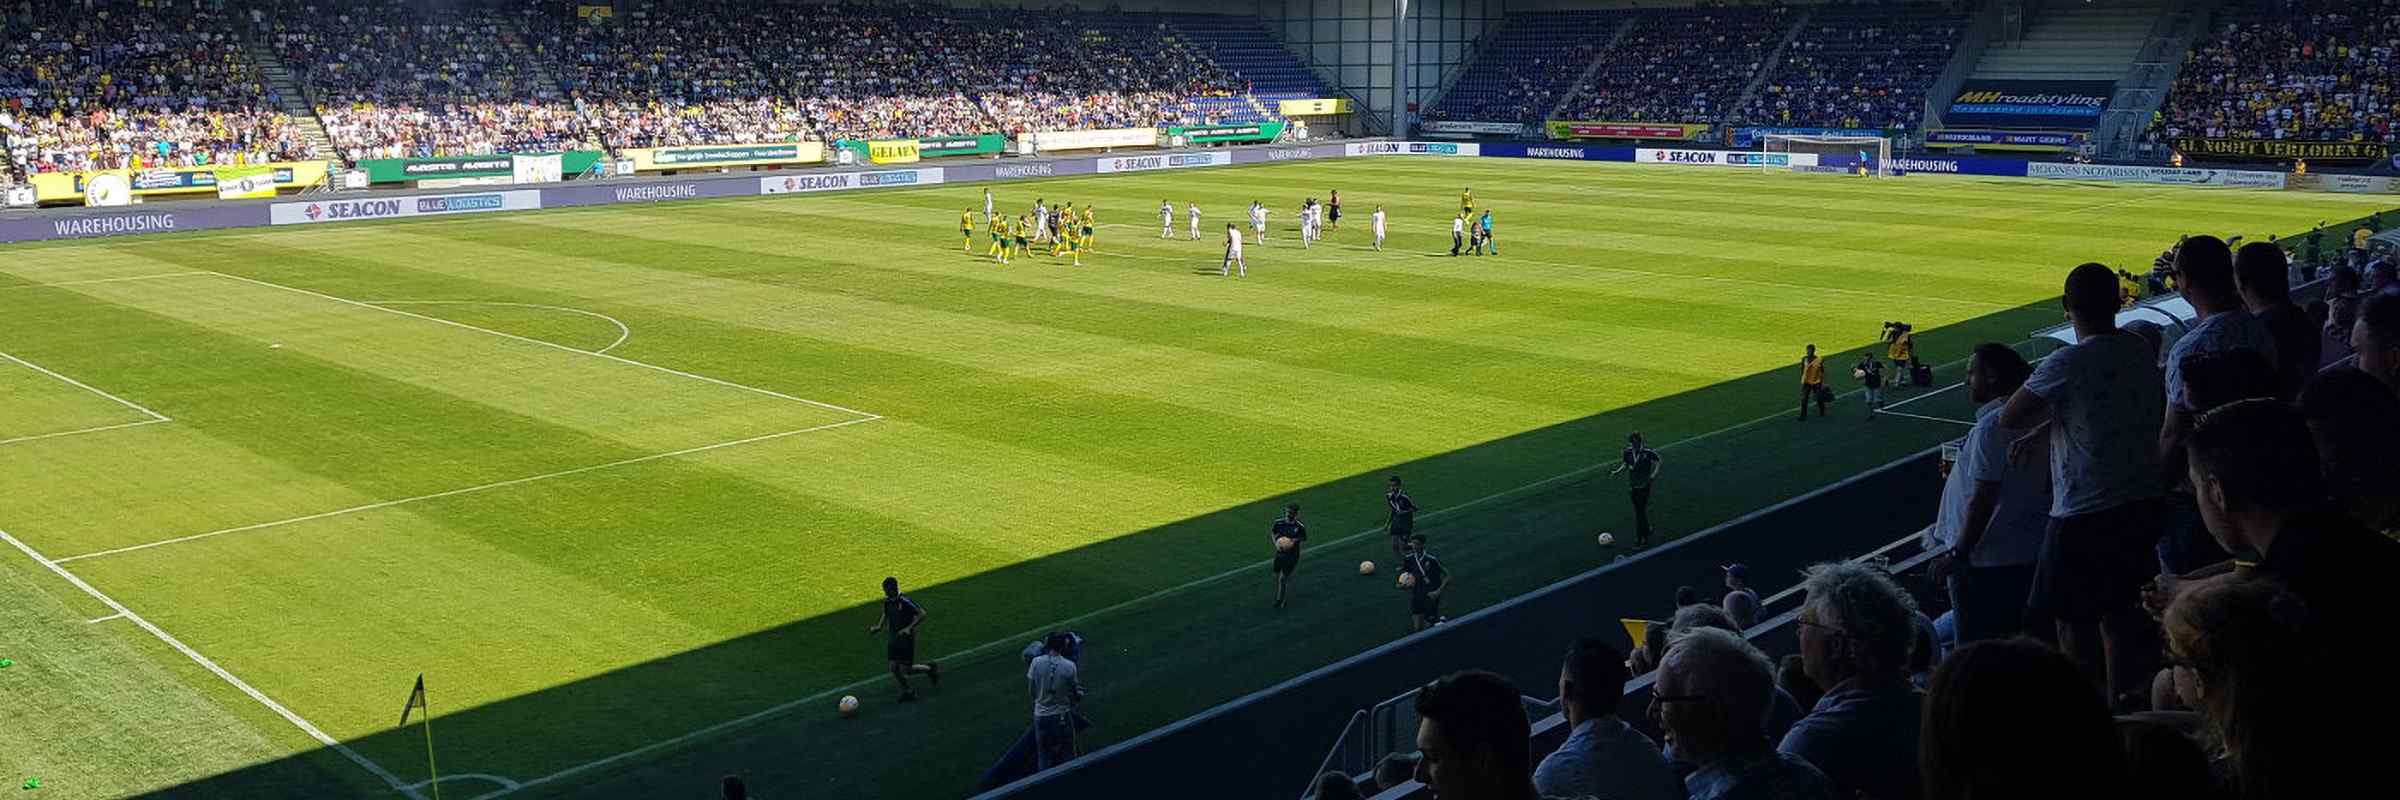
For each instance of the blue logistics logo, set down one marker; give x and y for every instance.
(464, 202)
(899, 178)
(1433, 148)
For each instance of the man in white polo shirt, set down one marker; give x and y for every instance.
(1993, 513)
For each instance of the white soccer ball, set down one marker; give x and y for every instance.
(1407, 580)
(1608, 540)
(1283, 544)
(848, 706)
(1366, 568)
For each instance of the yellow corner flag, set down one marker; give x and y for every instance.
(416, 700)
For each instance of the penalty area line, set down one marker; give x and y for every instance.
(467, 490)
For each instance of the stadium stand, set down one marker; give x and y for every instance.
(2313, 70)
(1243, 48)
(135, 83)
(1858, 67)
(1681, 65)
(446, 81)
(1525, 67)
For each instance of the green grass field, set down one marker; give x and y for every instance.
(621, 482)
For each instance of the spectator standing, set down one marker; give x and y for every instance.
(2204, 275)
(2013, 718)
(1741, 602)
(1475, 740)
(2341, 312)
(1993, 512)
(1056, 691)
(1712, 698)
(2375, 338)
(1640, 467)
(1856, 631)
(2350, 416)
(2099, 402)
(2259, 272)
(2256, 472)
(1602, 756)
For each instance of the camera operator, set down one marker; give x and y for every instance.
(1901, 347)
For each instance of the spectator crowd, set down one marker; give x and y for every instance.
(2305, 70)
(119, 84)
(2153, 552)
(1866, 67)
(1681, 66)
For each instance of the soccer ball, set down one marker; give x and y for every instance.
(1407, 580)
(1608, 540)
(1366, 568)
(848, 706)
(1283, 544)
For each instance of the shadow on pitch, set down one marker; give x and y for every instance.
(1153, 661)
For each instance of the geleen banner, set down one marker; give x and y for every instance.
(651, 159)
(2042, 105)
(396, 170)
(2281, 149)
(1247, 132)
(892, 151)
(1583, 129)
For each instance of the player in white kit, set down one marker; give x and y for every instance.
(1378, 219)
(1233, 252)
(1258, 221)
(1195, 208)
(1166, 220)
(1041, 221)
(987, 204)
(1308, 221)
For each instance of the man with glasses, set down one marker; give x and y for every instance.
(1711, 698)
(1856, 630)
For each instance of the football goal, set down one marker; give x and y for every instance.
(1857, 155)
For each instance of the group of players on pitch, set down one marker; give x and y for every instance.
(1071, 234)
(1421, 574)
(1056, 226)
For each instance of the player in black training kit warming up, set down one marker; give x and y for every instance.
(902, 616)
(1425, 591)
(1403, 519)
(1286, 559)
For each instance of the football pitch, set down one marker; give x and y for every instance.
(621, 483)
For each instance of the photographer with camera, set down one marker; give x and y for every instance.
(1901, 347)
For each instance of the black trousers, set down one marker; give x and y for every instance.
(1812, 391)
(1456, 242)
(1641, 516)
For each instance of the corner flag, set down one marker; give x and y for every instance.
(416, 700)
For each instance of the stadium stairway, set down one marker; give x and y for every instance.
(2074, 42)
(296, 103)
(1759, 79)
(2144, 88)
(1575, 90)
(1244, 47)
(1522, 63)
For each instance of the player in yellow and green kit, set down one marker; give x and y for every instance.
(1466, 201)
(1088, 227)
(1017, 231)
(1066, 229)
(999, 248)
(966, 232)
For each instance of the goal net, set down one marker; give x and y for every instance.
(1855, 155)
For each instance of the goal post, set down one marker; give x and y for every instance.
(1855, 155)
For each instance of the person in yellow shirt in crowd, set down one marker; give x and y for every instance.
(1812, 383)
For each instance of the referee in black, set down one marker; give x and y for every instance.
(901, 616)
(1286, 527)
(1640, 468)
(1403, 519)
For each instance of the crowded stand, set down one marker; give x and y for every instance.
(1681, 66)
(135, 84)
(1858, 67)
(1524, 68)
(1107, 70)
(446, 81)
(2304, 70)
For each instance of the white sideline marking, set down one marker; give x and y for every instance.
(40, 436)
(153, 415)
(303, 724)
(503, 780)
(469, 490)
(551, 345)
(103, 280)
(623, 332)
(1890, 413)
(1018, 639)
(118, 615)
